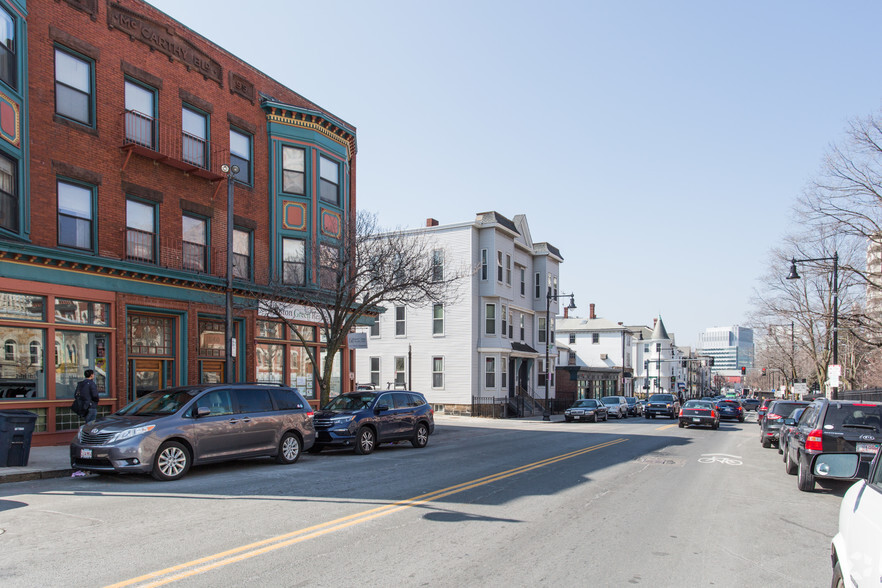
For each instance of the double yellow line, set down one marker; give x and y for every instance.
(211, 562)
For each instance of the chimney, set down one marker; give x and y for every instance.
(591, 314)
(566, 312)
(430, 222)
(654, 321)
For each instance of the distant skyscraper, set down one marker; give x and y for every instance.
(731, 348)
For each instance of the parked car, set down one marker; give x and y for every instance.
(833, 426)
(730, 409)
(787, 427)
(857, 546)
(365, 419)
(699, 413)
(662, 405)
(164, 432)
(634, 407)
(587, 409)
(763, 409)
(750, 403)
(616, 405)
(778, 410)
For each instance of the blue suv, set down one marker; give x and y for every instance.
(364, 419)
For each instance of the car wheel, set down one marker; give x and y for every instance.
(289, 448)
(365, 441)
(171, 462)
(838, 581)
(789, 466)
(805, 481)
(766, 443)
(421, 437)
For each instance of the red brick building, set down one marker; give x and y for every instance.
(115, 121)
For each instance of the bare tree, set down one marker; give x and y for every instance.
(401, 267)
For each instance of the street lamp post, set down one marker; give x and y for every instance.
(793, 275)
(546, 414)
(230, 172)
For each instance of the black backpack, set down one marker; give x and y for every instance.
(79, 406)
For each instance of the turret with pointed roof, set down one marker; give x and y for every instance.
(659, 332)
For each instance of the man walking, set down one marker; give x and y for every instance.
(89, 391)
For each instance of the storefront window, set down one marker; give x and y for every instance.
(302, 376)
(80, 312)
(76, 352)
(269, 330)
(270, 362)
(22, 372)
(212, 338)
(21, 307)
(308, 333)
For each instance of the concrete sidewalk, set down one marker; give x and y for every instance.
(43, 462)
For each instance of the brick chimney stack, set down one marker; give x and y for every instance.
(430, 222)
(591, 314)
(654, 321)
(566, 312)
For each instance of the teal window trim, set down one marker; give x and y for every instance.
(93, 220)
(156, 233)
(91, 123)
(206, 254)
(13, 199)
(16, 52)
(307, 177)
(238, 160)
(181, 334)
(206, 150)
(250, 233)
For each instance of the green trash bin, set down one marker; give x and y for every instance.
(16, 430)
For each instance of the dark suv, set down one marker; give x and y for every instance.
(662, 405)
(771, 425)
(364, 419)
(833, 426)
(164, 432)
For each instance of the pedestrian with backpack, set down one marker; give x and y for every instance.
(88, 391)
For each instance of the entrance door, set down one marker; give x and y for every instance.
(147, 375)
(524, 375)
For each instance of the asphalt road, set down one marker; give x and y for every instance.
(486, 503)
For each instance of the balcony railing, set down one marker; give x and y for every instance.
(170, 145)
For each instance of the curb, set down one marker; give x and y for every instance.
(41, 475)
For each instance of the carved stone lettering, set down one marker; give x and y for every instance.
(90, 7)
(242, 87)
(159, 38)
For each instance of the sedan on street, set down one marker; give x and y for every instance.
(730, 409)
(587, 409)
(699, 413)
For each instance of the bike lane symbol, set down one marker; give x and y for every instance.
(723, 458)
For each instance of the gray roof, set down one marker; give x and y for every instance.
(659, 333)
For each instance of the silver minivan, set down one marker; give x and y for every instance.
(163, 433)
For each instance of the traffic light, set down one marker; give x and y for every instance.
(764, 371)
(710, 362)
(743, 370)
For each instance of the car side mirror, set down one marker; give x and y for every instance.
(202, 411)
(836, 465)
(382, 408)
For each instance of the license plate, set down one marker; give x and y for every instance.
(696, 420)
(86, 453)
(867, 448)
(576, 417)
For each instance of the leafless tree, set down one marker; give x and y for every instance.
(400, 267)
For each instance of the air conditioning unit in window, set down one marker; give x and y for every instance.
(603, 356)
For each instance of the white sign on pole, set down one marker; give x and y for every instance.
(800, 389)
(834, 372)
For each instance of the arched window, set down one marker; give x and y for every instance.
(9, 350)
(35, 353)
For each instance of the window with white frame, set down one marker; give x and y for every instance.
(503, 373)
(73, 87)
(437, 265)
(504, 318)
(400, 322)
(484, 263)
(499, 266)
(375, 371)
(541, 329)
(74, 215)
(538, 281)
(522, 328)
(294, 261)
(293, 170)
(375, 328)
(510, 325)
(490, 319)
(508, 269)
(554, 286)
(523, 272)
(490, 372)
(437, 372)
(438, 319)
(400, 367)
(572, 338)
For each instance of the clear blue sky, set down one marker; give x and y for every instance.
(659, 145)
